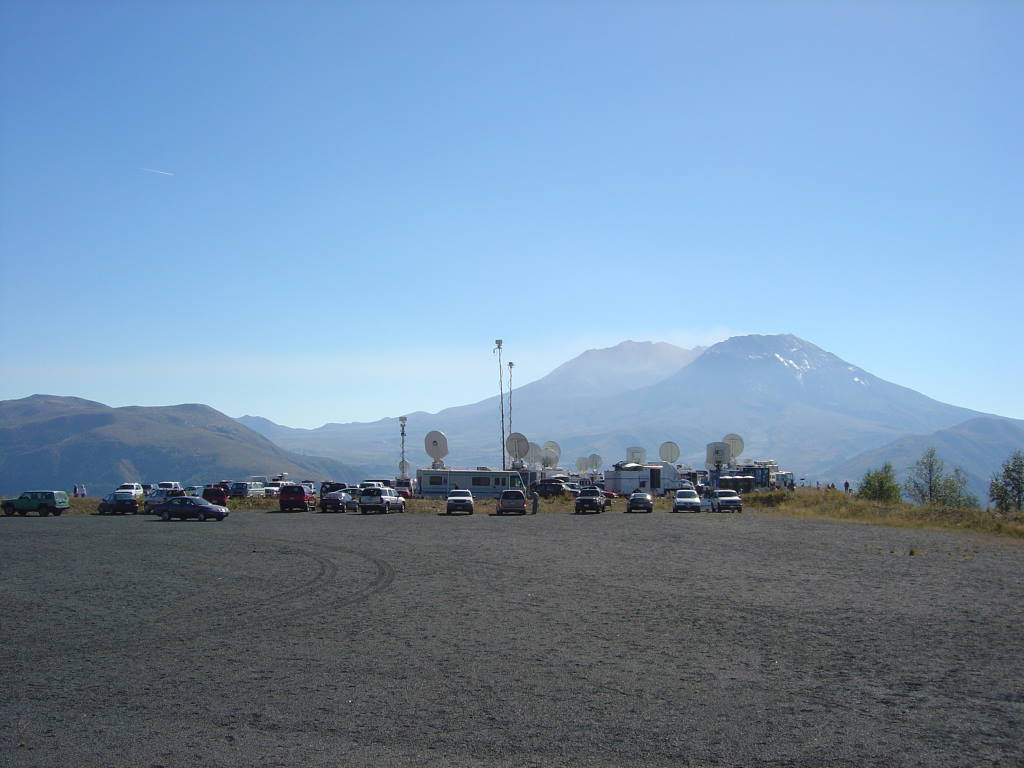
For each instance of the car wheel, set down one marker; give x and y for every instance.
(165, 516)
(219, 518)
(201, 516)
(8, 511)
(44, 511)
(56, 512)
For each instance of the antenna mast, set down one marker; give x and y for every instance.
(501, 396)
(510, 364)
(402, 465)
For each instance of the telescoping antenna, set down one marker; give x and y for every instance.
(403, 465)
(501, 397)
(510, 365)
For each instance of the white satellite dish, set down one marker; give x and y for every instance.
(581, 464)
(436, 446)
(548, 458)
(594, 461)
(718, 454)
(533, 454)
(555, 448)
(517, 445)
(735, 444)
(404, 467)
(669, 452)
(636, 455)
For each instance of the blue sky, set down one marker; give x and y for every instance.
(365, 195)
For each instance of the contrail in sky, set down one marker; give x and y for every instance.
(154, 170)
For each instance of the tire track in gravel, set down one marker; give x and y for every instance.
(322, 592)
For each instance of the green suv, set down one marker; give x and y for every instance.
(43, 502)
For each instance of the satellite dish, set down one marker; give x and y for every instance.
(548, 458)
(636, 455)
(735, 444)
(581, 464)
(404, 467)
(669, 452)
(555, 448)
(718, 453)
(533, 454)
(594, 461)
(517, 445)
(436, 446)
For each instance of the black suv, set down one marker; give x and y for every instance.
(548, 488)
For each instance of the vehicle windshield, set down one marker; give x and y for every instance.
(725, 493)
(590, 492)
(686, 494)
(461, 494)
(371, 491)
(512, 495)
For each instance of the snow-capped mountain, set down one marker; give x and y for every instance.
(791, 401)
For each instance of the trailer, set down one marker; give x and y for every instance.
(482, 482)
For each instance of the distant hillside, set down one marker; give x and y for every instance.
(54, 442)
(791, 400)
(979, 446)
(473, 430)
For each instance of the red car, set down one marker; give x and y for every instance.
(296, 497)
(216, 495)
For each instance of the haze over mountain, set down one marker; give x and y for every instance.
(48, 441)
(791, 401)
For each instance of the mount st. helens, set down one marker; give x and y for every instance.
(48, 441)
(791, 400)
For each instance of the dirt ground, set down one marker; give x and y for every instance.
(411, 640)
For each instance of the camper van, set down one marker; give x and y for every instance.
(482, 482)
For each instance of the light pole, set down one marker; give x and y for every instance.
(501, 398)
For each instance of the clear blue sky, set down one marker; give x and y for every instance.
(365, 195)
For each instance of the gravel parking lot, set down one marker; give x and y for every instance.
(327, 640)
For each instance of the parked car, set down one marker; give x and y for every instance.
(194, 490)
(640, 502)
(215, 495)
(547, 489)
(119, 503)
(459, 501)
(294, 497)
(686, 501)
(159, 496)
(380, 500)
(43, 503)
(246, 489)
(147, 488)
(512, 502)
(339, 501)
(185, 507)
(330, 486)
(136, 489)
(726, 500)
(591, 500)
(273, 489)
(169, 485)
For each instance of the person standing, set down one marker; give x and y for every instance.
(535, 498)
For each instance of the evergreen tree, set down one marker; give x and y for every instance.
(1006, 490)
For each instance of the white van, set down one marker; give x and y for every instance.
(135, 489)
(246, 489)
(169, 485)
